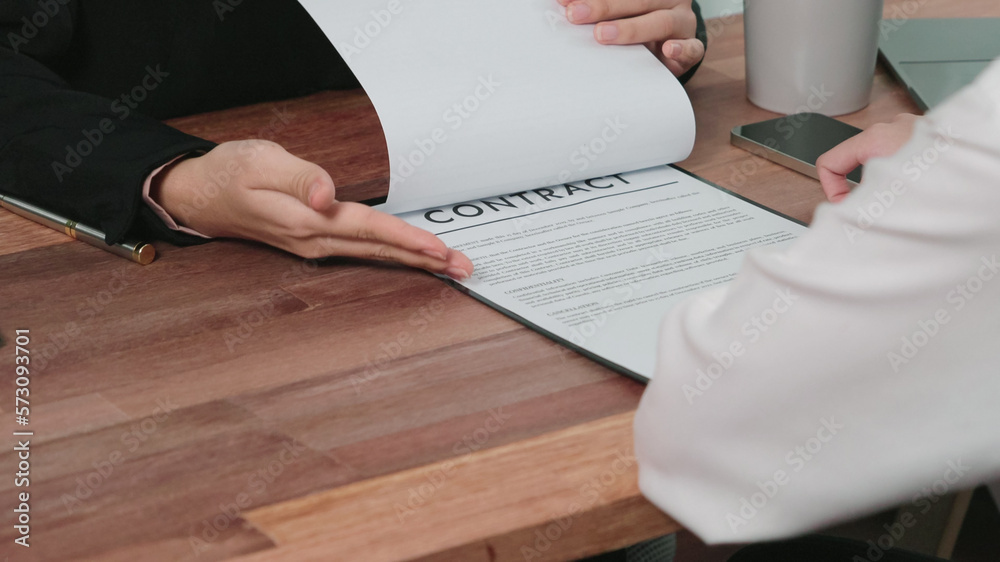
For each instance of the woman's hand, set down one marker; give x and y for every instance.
(882, 139)
(666, 27)
(256, 190)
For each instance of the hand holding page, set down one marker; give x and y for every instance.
(481, 98)
(483, 104)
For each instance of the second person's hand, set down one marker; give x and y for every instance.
(882, 139)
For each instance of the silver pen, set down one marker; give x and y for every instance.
(139, 252)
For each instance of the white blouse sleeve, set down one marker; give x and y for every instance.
(857, 370)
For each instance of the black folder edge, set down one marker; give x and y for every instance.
(570, 345)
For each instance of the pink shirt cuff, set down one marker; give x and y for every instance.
(160, 211)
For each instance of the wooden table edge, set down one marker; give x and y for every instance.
(455, 512)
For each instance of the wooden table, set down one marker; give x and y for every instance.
(231, 401)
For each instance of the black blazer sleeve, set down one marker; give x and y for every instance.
(81, 155)
(66, 147)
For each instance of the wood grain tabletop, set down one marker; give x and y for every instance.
(231, 401)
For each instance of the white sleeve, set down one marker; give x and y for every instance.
(857, 370)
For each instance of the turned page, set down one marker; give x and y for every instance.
(484, 98)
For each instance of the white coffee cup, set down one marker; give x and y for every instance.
(811, 55)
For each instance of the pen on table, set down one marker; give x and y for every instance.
(139, 252)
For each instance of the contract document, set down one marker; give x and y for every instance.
(541, 154)
(595, 264)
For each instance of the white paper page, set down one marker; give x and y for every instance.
(481, 98)
(599, 262)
